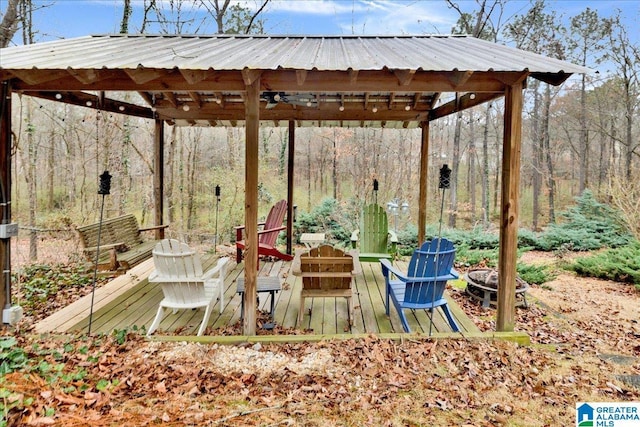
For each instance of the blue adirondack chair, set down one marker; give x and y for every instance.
(422, 287)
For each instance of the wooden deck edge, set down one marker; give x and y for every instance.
(520, 338)
(103, 295)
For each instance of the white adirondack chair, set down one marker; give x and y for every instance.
(179, 270)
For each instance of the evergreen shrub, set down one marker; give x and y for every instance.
(407, 240)
(588, 225)
(535, 274)
(620, 264)
(328, 217)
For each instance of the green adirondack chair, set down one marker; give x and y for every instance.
(373, 239)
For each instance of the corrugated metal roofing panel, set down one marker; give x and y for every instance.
(225, 52)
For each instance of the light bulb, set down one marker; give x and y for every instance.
(185, 107)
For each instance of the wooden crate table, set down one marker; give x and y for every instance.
(312, 240)
(264, 284)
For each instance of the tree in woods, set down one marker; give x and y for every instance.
(234, 18)
(9, 23)
(587, 37)
(484, 23)
(625, 56)
(539, 32)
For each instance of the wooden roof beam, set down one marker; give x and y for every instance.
(91, 75)
(272, 80)
(36, 77)
(416, 100)
(434, 99)
(404, 76)
(512, 79)
(464, 102)
(171, 97)
(392, 97)
(147, 97)
(459, 78)
(194, 76)
(353, 76)
(301, 76)
(249, 76)
(82, 99)
(195, 96)
(143, 75)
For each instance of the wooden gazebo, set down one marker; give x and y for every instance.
(230, 80)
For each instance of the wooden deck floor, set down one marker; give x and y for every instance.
(131, 300)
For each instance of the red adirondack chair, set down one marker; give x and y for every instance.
(268, 235)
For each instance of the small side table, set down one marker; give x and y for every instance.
(312, 240)
(265, 284)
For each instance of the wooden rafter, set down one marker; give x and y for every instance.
(195, 96)
(194, 76)
(464, 102)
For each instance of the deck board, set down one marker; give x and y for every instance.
(131, 300)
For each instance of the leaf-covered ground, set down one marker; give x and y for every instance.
(585, 334)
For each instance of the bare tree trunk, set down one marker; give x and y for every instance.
(51, 167)
(485, 167)
(536, 122)
(546, 148)
(471, 179)
(191, 183)
(453, 197)
(32, 157)
(334, 171)
(629, 147)
(583, 172)
(170, 169)
(126, 15)
(309, 176)
(9, 24)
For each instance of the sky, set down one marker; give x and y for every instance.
(73, 18)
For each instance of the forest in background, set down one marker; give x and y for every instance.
(581, 135)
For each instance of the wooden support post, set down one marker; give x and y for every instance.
(290, 182)
(424, 180)
(158, 177)
(509, 194)
(5, 188)
(252, 120)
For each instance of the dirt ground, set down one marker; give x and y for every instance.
(585, 337)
